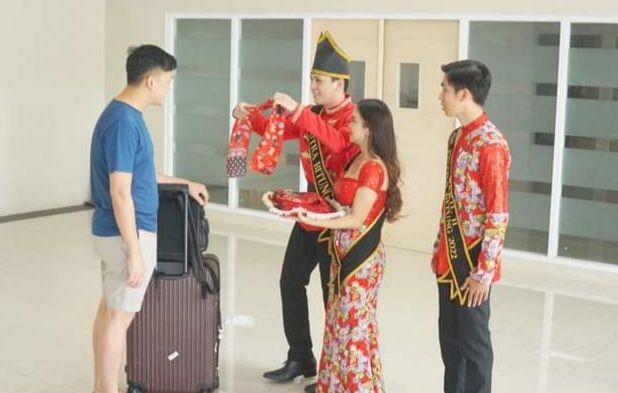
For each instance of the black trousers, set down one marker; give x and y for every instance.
(302, 254)
(465, 344)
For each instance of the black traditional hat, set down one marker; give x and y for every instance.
(330, 60)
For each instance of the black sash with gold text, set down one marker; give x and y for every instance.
(321, 179)
(461, 258)
(363, 248)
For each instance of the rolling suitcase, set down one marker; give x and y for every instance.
(173, 342)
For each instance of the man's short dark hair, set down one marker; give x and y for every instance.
(469, 74)
(346, 83)
(145, 58)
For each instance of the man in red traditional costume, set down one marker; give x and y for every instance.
(323, 131)
(467, 253)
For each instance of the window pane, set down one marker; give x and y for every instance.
(270, 61)
(356, 89)
(408, 85)
(589, 208)
(202, 98)
(523, 60)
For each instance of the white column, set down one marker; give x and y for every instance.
(559, 138)
(305, 88)
(232, 198)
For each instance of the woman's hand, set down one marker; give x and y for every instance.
(336, 205)
(302, 217)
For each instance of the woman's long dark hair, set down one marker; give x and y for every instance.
(378, 119)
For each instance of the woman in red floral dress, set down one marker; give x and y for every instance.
(350, 360)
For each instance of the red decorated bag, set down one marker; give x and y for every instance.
(236, 164)
(290, 204)
(267, 152)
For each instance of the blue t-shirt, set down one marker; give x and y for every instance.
(121, 143)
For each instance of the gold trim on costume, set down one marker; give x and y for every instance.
(321, 178)
(366, 231)
(338, 259)
(325, 35)
(334, 281)
(324, 235)
(450, 210)
(362, 264)
(328, 73)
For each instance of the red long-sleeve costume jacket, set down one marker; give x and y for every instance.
(480, 165)
(331, 127)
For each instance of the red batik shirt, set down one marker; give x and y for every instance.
(480, 167)
(331, 128)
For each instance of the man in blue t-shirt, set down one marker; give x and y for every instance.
(123, 184)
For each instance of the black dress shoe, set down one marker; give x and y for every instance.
(292, 369)
(310, 388)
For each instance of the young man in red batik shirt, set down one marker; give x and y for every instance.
(467, 252)
(323, 131)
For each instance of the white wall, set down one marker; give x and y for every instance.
(51, 92)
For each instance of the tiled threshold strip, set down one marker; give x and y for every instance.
(45, 213)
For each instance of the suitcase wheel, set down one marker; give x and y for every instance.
(206, 389)
(134, 389)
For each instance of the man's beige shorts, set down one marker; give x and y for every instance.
(113, 254)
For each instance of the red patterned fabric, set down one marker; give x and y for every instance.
(372, 176)
(287, 200)
(350, 360)
(310, 201)
(236, 165)
(480, 167)
(267, 152)
(331, 127)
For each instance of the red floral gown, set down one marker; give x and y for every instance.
(350, 360)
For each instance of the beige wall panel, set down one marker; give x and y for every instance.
(52, 91)
(421, 133)
(370, 7)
